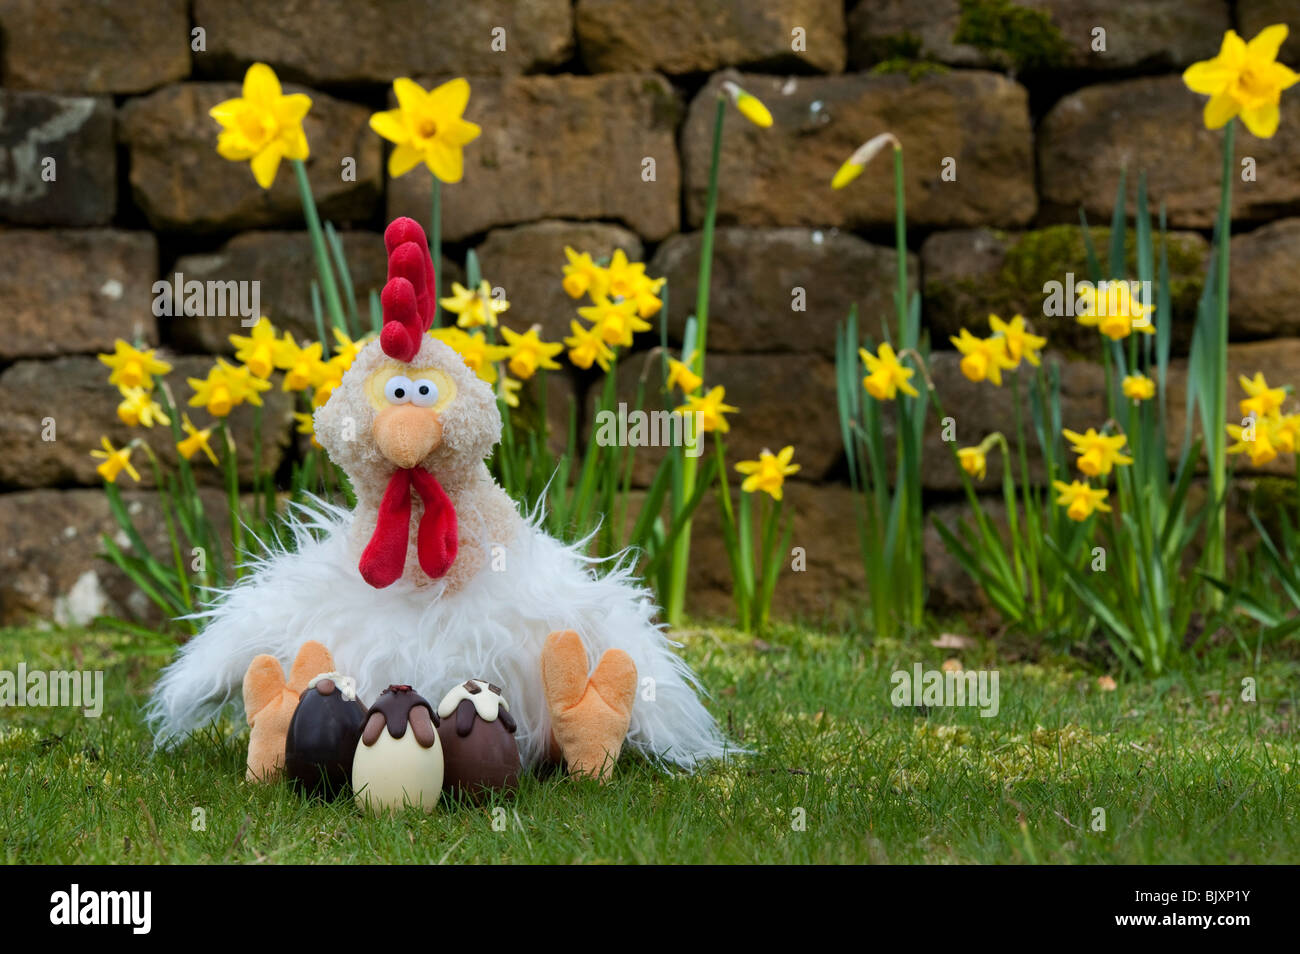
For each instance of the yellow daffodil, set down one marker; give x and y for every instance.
(474, 308)
(225, 388)
(1098, 453)
(197, 440)
(115, 461)
(321, 394)
(1261, 400)
(1255, 440)
(983, 358)
(628, 281)
(133, 368)
(306, 425)
(528, 352)
(586, 347)
(1244, 79)
(1286, 429)
(1112, 309)
(710, 409)
(509, 390)
(1020, 343)
(974, 461)
(1138, 387)
(427, 126)
(583, 275)
(681, 376)
(139, 409)
(474, 350)
(623, 277)
(748, 105)
(263, 126)
(852, 167)
(615, 321)
(329, 375)
(261, 350)
(346, 350)
(1080, 500)
(886, 376)
(300, 365)
(647, 297)
(768, 473)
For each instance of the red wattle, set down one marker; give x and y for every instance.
(437, 537)
(385, 555)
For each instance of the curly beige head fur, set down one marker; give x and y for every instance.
(450, 438)
(370, 437)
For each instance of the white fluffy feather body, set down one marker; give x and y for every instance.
(493, 627)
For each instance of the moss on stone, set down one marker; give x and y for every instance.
(1046, 254)
(902, 54)
(1032, 259)
(912, 69)
(1027, 39)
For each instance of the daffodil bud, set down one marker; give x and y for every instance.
(853, 166)
(749, 105)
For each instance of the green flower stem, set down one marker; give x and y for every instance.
(328, 285)
(232, 495)
(1030, 540)
(257, 462)
(706, 243)
(770, 567)
(435, 247)
(682, 547)
(900, 241)
(167, 506)
(1214, 436)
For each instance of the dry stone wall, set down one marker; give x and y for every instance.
(1038, 122)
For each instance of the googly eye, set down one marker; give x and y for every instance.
(399, 389)
(424, 393)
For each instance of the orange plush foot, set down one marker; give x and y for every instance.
(270, 701)
(589, 716)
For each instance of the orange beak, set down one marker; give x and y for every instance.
(407, 434)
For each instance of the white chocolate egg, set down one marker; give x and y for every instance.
(398, 761)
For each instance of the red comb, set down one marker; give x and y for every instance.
(407, 298)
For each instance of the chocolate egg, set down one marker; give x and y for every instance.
(323, 735)
(398, 760)
(479, 751)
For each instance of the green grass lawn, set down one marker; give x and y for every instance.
(1184, 770)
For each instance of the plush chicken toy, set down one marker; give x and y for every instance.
(435, 576)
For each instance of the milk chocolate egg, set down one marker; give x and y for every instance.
(398, 760)
(323, 735)
(479, 751)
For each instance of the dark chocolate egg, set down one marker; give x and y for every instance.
(479, 751)
(323, 736)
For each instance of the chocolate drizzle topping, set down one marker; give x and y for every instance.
(396, 707)
(465, 716)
